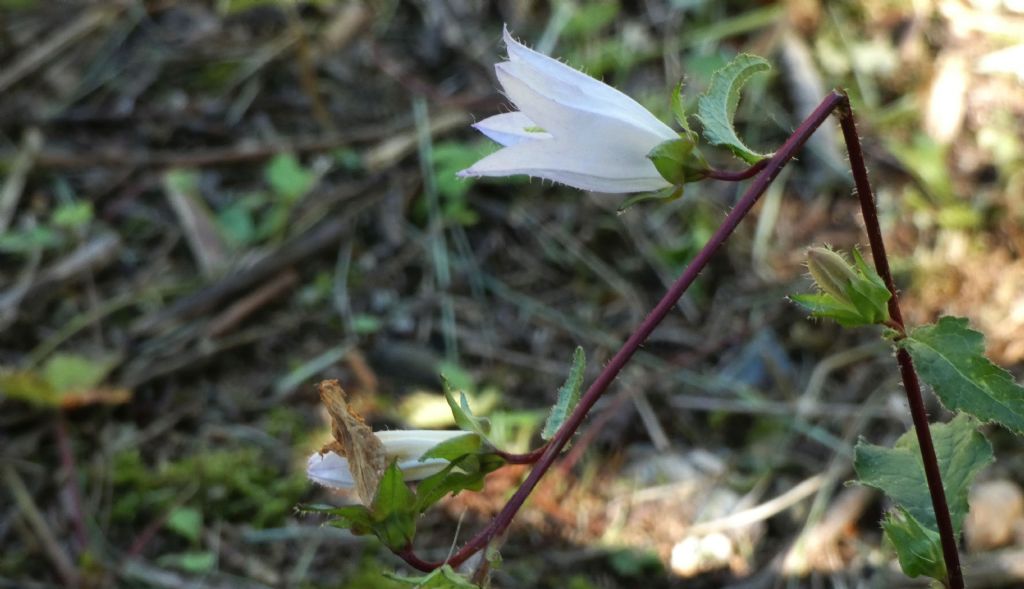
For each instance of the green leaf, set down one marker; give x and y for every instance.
(288, 178)
(568, 395)
(463, 415)
(950, 358)
(187, 522)
(73, 215)
(680, 111)
(67, 372)
(200, 561)
(356, 518)
(455, 447)
(444, 577)
(678, 161)
(918, 549)
(961, 451)
(717, 107)
(394, 510)
(826, 306)
(666, 195)
(463, 473)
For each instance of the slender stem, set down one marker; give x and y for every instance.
(660, 311)
(737, 176)
(910, 381)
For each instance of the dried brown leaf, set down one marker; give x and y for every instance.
(354, 440)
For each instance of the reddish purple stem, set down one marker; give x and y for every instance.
(770, 168)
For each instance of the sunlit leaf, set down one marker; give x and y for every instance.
(444, 577)
(918, 549)
(568, 395)
(717, 106)
(950, 357)
(898, 471)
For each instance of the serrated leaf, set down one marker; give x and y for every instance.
(950, 357)
(455, 447)
(394, 510)
(568, 395)
(444, 577)
(680, 111)
(898, 472)
(463, 415)
(918, 549)
(717, 106)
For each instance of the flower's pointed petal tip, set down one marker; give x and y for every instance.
(467, 173)
(329, 470)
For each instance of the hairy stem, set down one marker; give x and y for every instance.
(654, 318)
(955, 577)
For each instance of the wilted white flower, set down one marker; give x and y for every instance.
(570, 128)
(331, 470)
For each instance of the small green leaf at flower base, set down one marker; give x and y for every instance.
(898, 472)
(463, 415)
(680, 111)
(465, 473)
(950, 358)
(568, 395)
(444, 577)
(918, 549)
(667, 195)
(678, 161)
(717, 106)
(394, 510)
(455, 447)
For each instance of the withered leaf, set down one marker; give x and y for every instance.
(354, 440)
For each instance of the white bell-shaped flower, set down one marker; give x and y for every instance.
(407, 446)
(570, 128)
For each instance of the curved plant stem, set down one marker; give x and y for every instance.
(737, 176)
(910, 381)
(661, 310)
(546, 455)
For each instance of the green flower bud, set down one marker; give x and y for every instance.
(831, 272)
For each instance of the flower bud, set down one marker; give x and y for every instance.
(831, 272)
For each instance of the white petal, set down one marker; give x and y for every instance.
(329, 470)
(589, 93)
(416, 470)
(510, 128)
(552, 107)
(594, 170)
(412, 443)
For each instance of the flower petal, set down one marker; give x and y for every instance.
(412, 443)
(595, 170)
(330, 470)
(510, 128)
(588, 93)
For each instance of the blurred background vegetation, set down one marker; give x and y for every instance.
(206, 207)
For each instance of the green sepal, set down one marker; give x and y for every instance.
(678, 161)
(456, 447)
(568, 395)
(394, 510)
(666, 195)
(465, 472)
(463, 415)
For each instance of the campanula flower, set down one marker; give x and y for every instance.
(570, 128)
(405, 446)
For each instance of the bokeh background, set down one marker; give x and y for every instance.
(207, 207)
